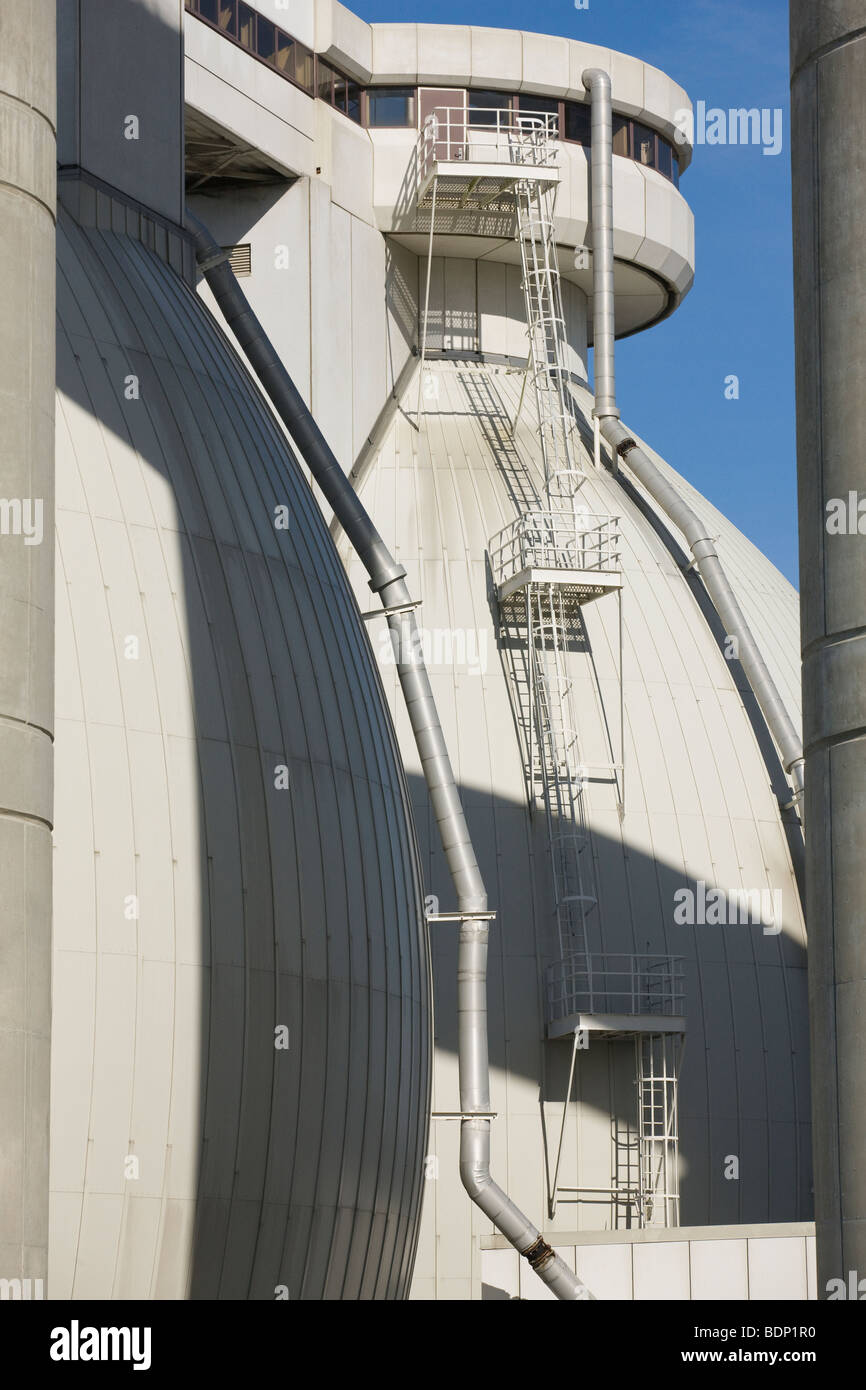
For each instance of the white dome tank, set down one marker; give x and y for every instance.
(702, 781)
(240, 1082)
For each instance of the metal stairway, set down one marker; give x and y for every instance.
(557, 765)
(553, 559)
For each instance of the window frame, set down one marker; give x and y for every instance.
(411, 96)
(576, 106)
(559, 102)
(487, 92)
(298, 48)
(652, 163)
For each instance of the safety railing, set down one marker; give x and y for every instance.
(451, 134)
(555, 541)
(615, 984)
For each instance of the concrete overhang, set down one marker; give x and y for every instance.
(251, 103)
(215, 158)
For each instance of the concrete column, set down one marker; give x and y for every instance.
(27, 271)
(828, 67)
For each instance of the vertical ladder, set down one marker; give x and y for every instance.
(557, 767)
(657, 1067)
(545, 320)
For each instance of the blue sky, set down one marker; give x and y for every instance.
(738, 318)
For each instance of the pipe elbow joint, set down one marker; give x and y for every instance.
(475, 1177)
(595, 77)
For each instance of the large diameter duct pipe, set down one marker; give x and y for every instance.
(828, 107)
(387, 579)
(28, 177)
(680, 513)
(603, 302)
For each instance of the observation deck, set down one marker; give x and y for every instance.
(576, 551)
(615, 995)
(472, 160)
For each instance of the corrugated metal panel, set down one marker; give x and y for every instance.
(255, 906)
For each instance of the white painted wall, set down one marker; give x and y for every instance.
(738, 1263)
(478, 306)
(338, 301)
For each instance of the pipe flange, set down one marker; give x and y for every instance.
(539, 1254)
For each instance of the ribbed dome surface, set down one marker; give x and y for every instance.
(200, 902)
(699, 806)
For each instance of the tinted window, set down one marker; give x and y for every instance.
(267, 41)
(391, 106)
(228, 15)
(577, 122)
(247, 26)
(304, 68)
(621, 133)
(483, 107)
(546, 104)
(676, 171)
(340, 85)
(285, 59)
(644, 145)
(209, 9)
(353, 107)
(665, 156)
(325, 83)
(539, 106)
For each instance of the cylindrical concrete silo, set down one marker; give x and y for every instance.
(828, 86)
(27, 200)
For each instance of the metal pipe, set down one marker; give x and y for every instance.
(601, 183)
(427, 299)
(387, 579)
(626, 448)
(828, 106)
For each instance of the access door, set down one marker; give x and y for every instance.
(447, 105)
